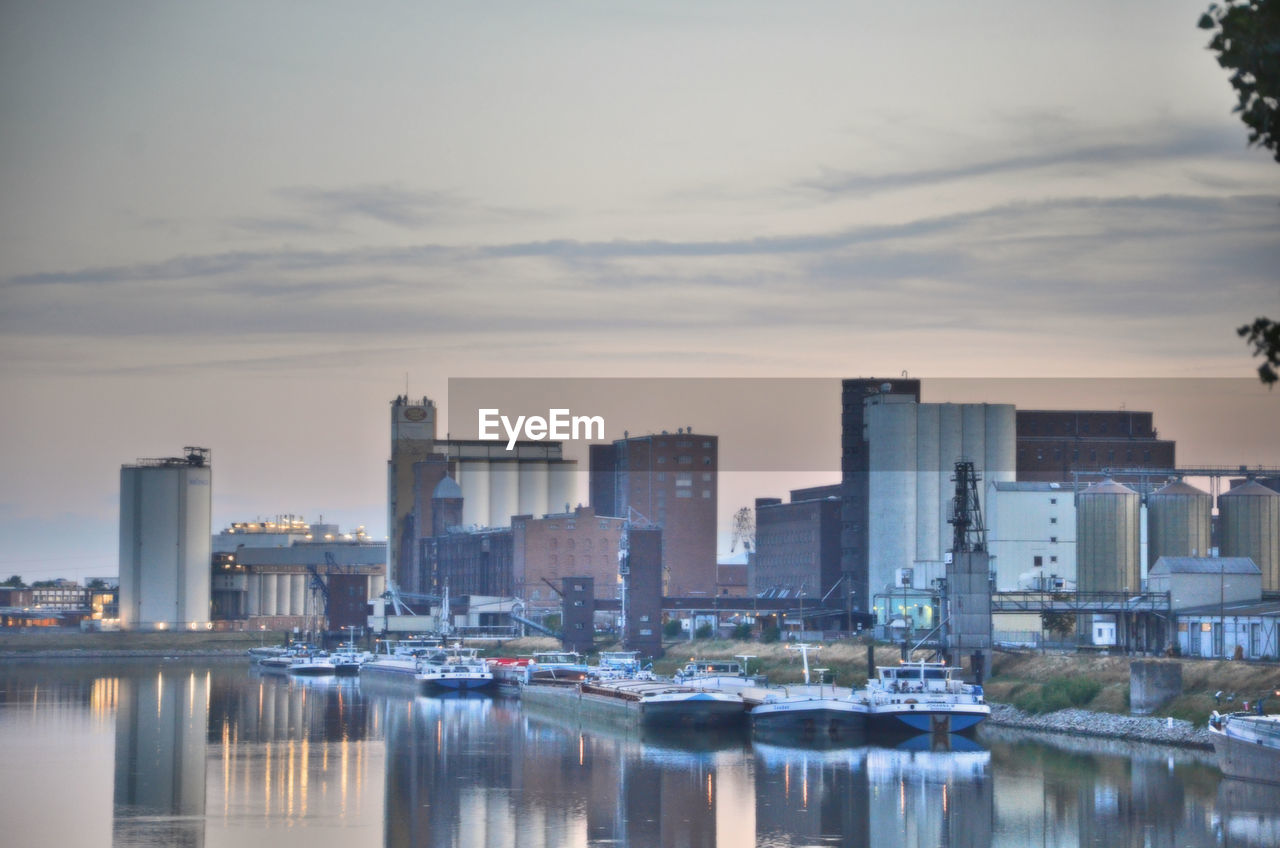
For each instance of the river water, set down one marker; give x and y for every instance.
(181, 753)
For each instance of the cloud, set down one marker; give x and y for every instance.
(1077, 268)
(1177, 142)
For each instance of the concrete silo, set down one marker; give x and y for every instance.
(1178, 522)
(1251, 528)
(1108, 534)
(166, 542)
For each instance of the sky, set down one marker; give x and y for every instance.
(248, 226)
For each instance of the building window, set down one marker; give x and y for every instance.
(662, 460)
(644, 618)
(684, 493)
(1053, 539)
(684, 459)
(1037, 561)
(1053, 559)
(706, 444)
(706, 493)
(706, 460)
(1053, 519)
(1053, 500)
(662, 476)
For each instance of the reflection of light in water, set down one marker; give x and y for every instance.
(581, 749)
(345, 771)
(1105, 798)
(266, 781)
(306, 759)
(159, 692)
(710, 793)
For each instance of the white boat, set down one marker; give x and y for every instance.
(398, 660)
(455, 669)
(922, 697)
(619, 665)
(713, 674)
(280, 659)
(819, 713)
(1247, 745)
(348, 660)
(312, 663)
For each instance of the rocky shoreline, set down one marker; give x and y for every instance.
(1077, 722)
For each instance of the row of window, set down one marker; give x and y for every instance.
(1075, 455)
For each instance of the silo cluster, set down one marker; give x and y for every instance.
(1179, 518)
(1251, 528)
(1108, 538)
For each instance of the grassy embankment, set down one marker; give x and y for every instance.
(170, 642)
(1032, 682)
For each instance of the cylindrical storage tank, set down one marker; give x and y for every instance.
(1251, 528)
(253, 583)
(282, 594)
(534, 485)
(562, 486)
(1001, 460)
(165, 544)
(973, 444)
(930, 472)
(297, 594)
(1178, 522)
(891, 521)
(504, 491)
(268, 594)
(473, 478)
(1108, 539)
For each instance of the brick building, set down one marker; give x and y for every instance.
(1054, 443)
(573, 544)
(797, 543)
(668, 480)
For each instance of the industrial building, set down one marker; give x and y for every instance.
(533, 478)
(668, 480)
(855, 483)
(1031, 535)
(1054, 444)
(309, 586)
(797, 545)
(527, 560)
(165, 542)
(913, 449)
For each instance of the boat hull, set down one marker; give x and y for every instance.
(676, 709)
(923, 717)
(1248, 758)
(817, 719)
(456, 682)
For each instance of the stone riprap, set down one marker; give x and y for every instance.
(1105, 725)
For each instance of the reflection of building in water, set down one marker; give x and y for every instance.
(291, 749)
(277, 708)
(160, 759)
(476, 771)
(435, 774)
(1094, 792)
(874, 796)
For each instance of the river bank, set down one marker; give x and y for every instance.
(1080, 722)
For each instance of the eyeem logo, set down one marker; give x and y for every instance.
(559, 425)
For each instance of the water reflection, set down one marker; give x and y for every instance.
(153, 753)
(160, 758)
